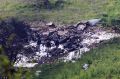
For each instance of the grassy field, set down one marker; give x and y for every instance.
(104, 63)
(71, 11)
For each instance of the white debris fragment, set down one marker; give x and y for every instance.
(37, 73)
(88, 41)
(23, 62)
(50, 23)
(42, 51)
(84, 49)
(61, 46)
(81, 27)
(41, 54)
(70, 56)
(93, 22)
(52, 43)
(73, 61)
(75, 54)
(42, 48)
(85, 66)
(32, 43)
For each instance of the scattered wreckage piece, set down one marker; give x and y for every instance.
(51, 24)
(93, 22)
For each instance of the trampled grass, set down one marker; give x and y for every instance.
(104, 63)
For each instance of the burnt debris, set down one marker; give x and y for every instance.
(17, 37)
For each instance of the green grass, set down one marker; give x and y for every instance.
(72, 11)
(104, 61)
(104, 64)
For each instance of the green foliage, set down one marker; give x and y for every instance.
(104, 63)
(8, 70)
